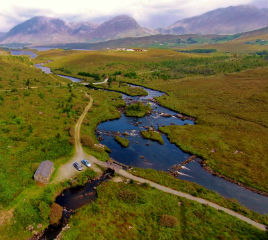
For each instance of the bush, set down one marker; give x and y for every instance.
(96, 76)
(137, 109)
(168, 221)
(55, 213)
(128, 196)
(87, 141)
(86, 175)
(131, 75)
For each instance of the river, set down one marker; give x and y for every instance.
(149, 154)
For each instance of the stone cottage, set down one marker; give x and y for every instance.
(44, 171)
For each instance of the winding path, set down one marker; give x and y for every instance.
(67, 171)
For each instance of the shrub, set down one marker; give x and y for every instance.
(128, 196)
(168, 221)
(71, 131)
(55, 213)
(87, 141)
(131, 75)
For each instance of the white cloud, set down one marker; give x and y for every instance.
(151, 13)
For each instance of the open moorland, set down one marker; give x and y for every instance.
(36, 112)
(135, 211)
(225, 91)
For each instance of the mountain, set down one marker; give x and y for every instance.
(40, 29)
(45, 30)
(118, 27)
(83, 28)
(228, 20)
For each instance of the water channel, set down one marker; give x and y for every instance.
(149, 154)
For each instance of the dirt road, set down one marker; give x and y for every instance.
(67, 171)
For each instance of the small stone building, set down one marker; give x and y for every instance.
(44, 171)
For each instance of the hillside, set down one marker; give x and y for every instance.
(45, 30)
(177, 41)
(228, 20)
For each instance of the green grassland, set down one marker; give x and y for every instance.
(163, 178)
(36, 113)
(124, 142)
(167, 41)
(33, 122)
(135, 211)
(228, 100)
(231, 129)
(36, 124)
(153, 135)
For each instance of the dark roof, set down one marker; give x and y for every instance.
(45, 168)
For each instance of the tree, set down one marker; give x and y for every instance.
(27, 83)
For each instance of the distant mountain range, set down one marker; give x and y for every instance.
(164, 40)
(44, 30)
(228, 20)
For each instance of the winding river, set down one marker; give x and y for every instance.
(149, 154)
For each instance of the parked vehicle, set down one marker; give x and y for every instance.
(78, 166)
(86, 163)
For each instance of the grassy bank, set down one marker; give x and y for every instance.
(105, 107)
(123, 88)
(124, 142)
(33, 211)
(231, 128)
(139, 212)
(194, 189)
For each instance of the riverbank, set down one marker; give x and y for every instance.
(133, 211)
(209, 132)
(194, 189)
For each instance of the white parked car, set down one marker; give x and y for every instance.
(86, 163)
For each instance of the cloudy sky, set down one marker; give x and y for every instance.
(149, 13)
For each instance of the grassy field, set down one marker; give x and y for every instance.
(139, 212)
(227, 93)
(194, 189)
(33, 123)
(36, 113)
(229, 103)
(153, 135)
(231, 129)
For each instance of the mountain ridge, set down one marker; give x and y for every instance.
(47, 30)
(41, 29)
(229, 20)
